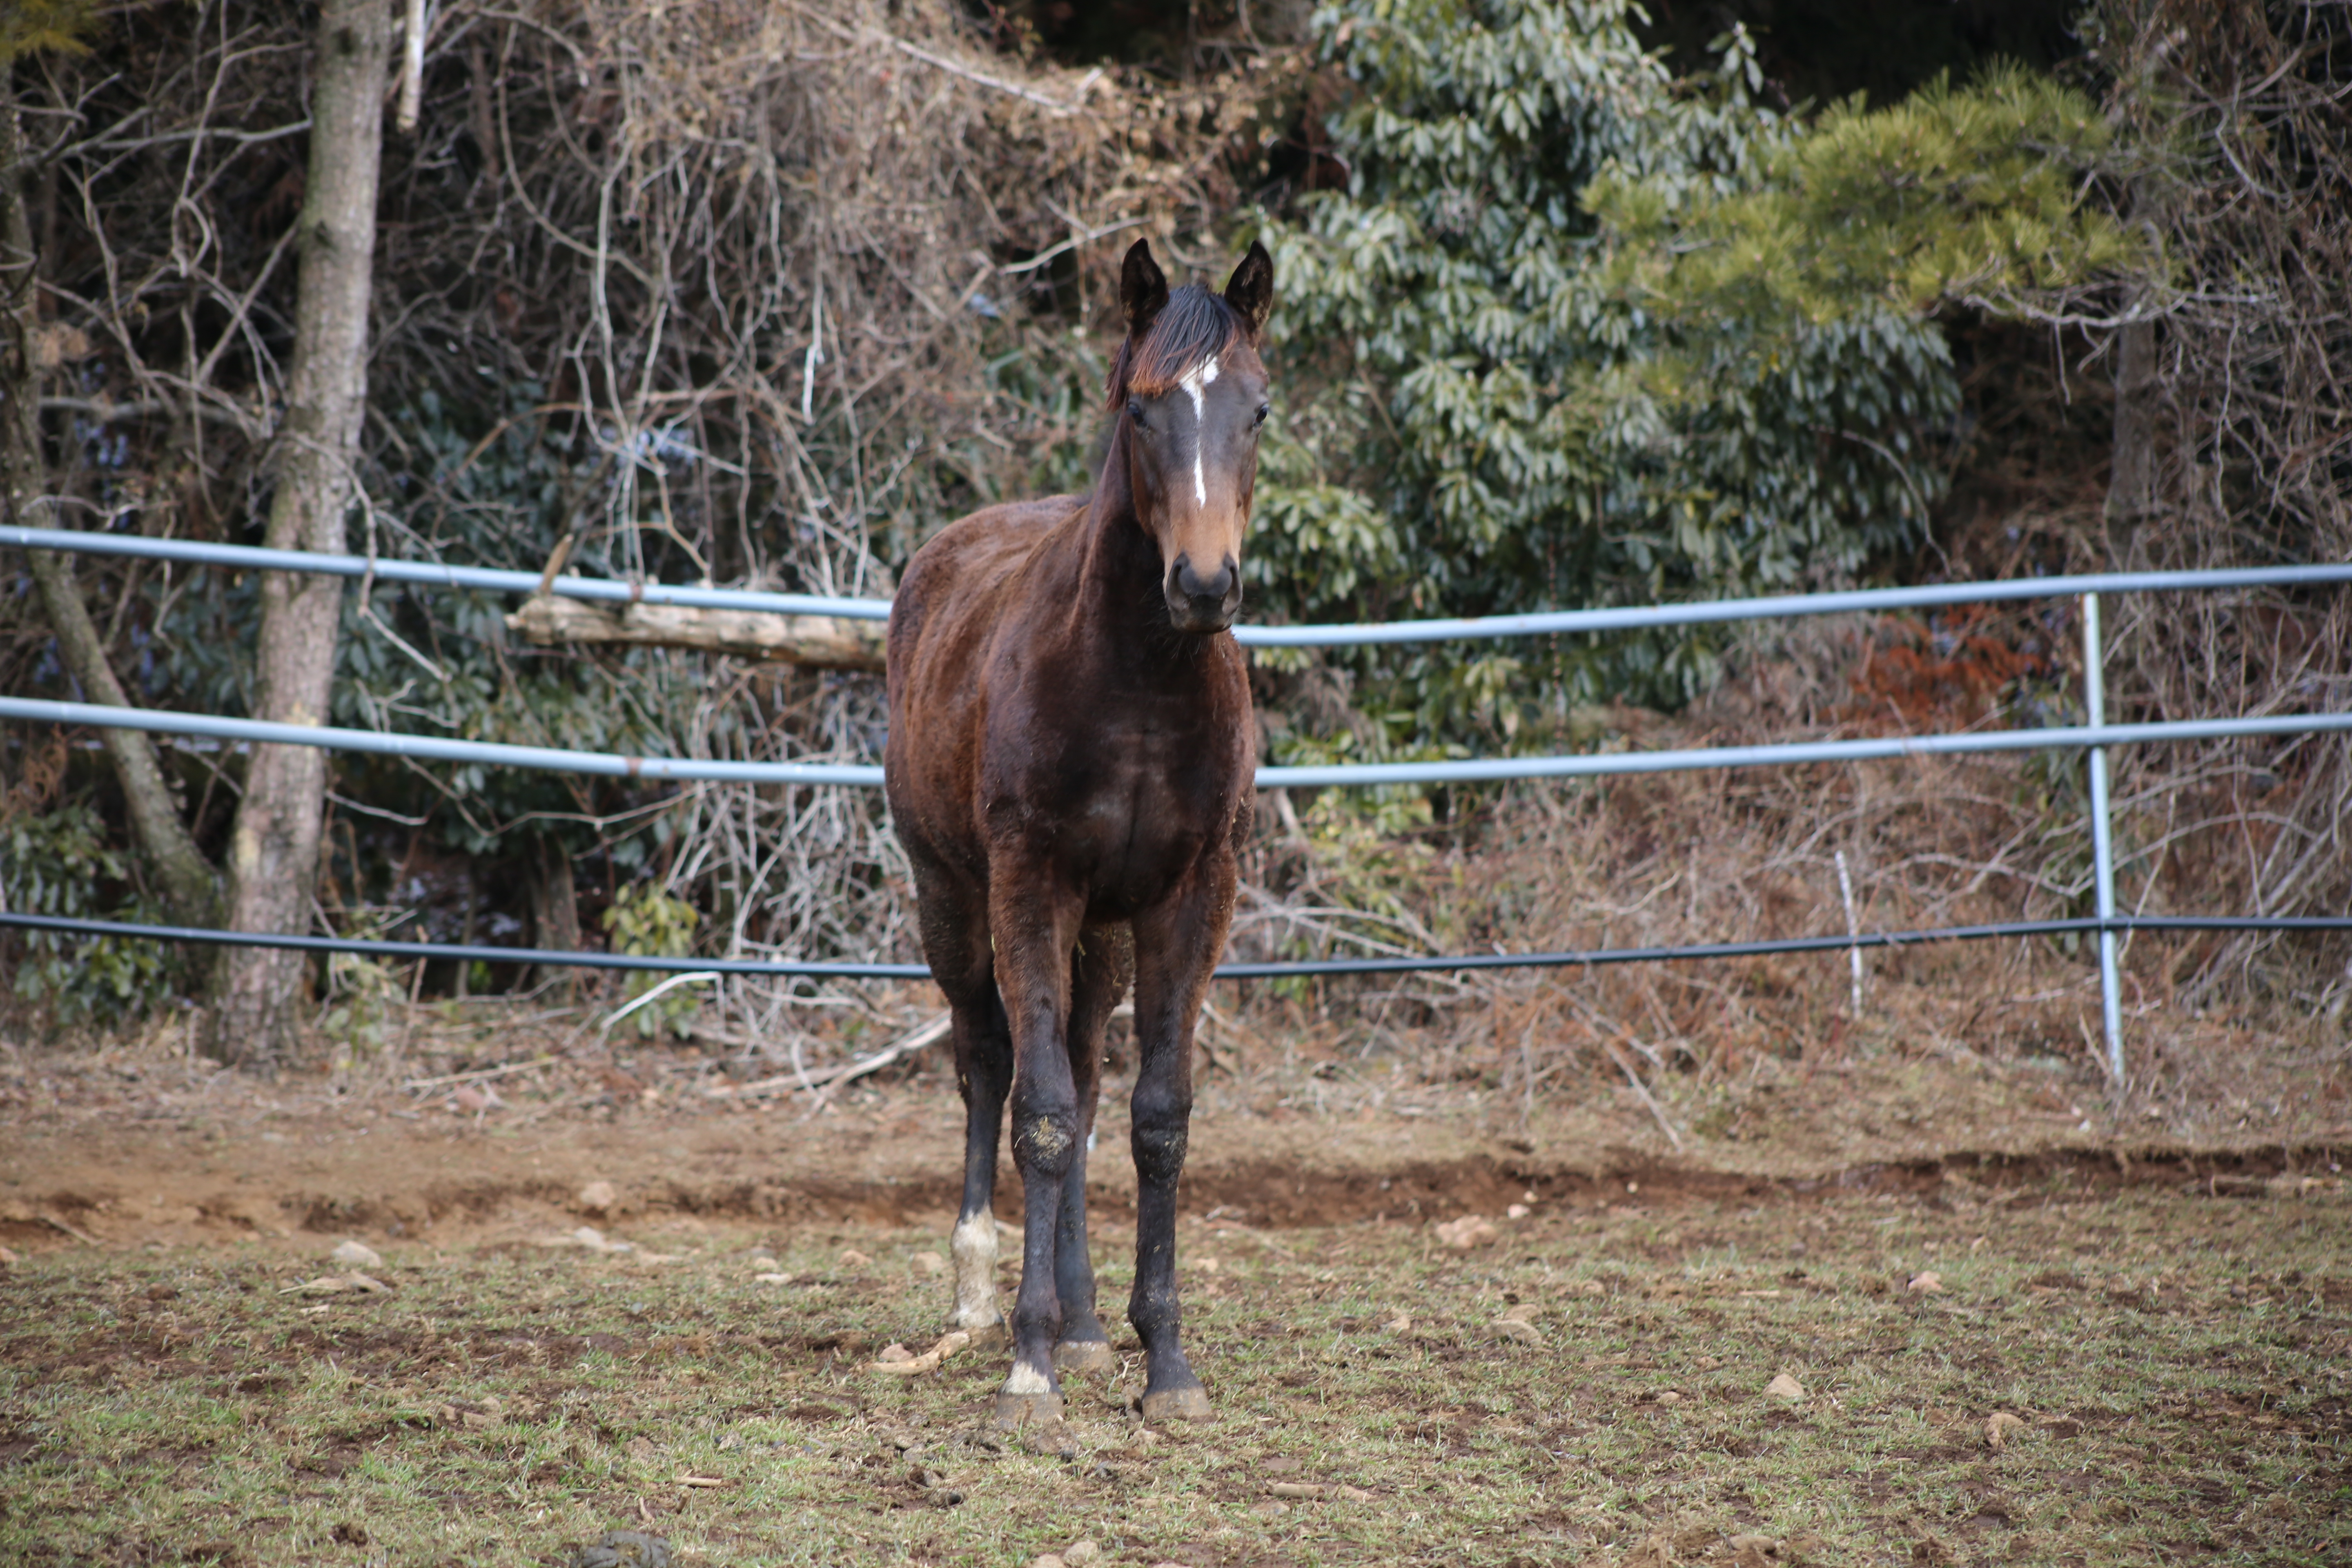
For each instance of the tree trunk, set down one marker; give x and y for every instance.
(554, 911)
(2132, 493)
(189, 885)
(274, 845)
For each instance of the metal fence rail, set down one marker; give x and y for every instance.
(1485, 770)
(1549, 623)
(833, 969)
(432, 575)
(2093, 737)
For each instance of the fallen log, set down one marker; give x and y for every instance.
(813, 642)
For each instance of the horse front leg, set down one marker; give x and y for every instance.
(1176, 949)
(1034, 932)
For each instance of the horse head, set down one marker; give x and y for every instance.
(1192, 393)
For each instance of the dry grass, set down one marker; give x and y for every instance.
(1679, 860)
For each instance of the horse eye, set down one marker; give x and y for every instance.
(1135, 412)
(1263, 410)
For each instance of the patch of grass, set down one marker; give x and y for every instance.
(2179, 1365)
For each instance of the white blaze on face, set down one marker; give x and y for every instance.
(1195, 385)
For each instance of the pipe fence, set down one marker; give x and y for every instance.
(1398, 963)
(1546, 623)
(2093, 737)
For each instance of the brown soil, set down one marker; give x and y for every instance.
(137, 1146)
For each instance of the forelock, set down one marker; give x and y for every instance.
(1195, 326)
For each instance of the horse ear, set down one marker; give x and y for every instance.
(1250, 292)
(1142, 288)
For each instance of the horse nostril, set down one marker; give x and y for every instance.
(1191, 585)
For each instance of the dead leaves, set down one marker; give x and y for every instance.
(1308, 1491)
(334, 1284)
(1663, 1549)
(1518, 1324)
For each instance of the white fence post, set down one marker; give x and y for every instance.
(2103, 865)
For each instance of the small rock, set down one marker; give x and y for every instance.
(1786, 1387)
(599, 1197)
(1078, 1554)
(1997, 1426)
(930, 1265)
(355, 1255)
(1518, 1330)
(1049, 1560)
(1517, 1211)
(1467, 1232)
(772, 1278)
(1668, 1397)
(853, 1258)
(1926, 1282)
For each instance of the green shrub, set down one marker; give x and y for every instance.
(59, 862)
(647, 922)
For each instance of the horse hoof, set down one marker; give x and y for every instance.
(1084, 1356)
(1014, 1410)
(1177, 1405)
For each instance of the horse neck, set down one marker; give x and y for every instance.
(1118, 564)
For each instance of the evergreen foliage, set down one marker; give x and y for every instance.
(1503, 421)
(1953, 196)
(29, 27)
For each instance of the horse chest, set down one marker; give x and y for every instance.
(1128, 822)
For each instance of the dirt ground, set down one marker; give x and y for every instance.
(1921, 1242)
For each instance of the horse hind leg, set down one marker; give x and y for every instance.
(1099, 972)
(983, 1052)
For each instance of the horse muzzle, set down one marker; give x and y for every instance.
(1203, 602)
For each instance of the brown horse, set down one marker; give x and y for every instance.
(1070, 767)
